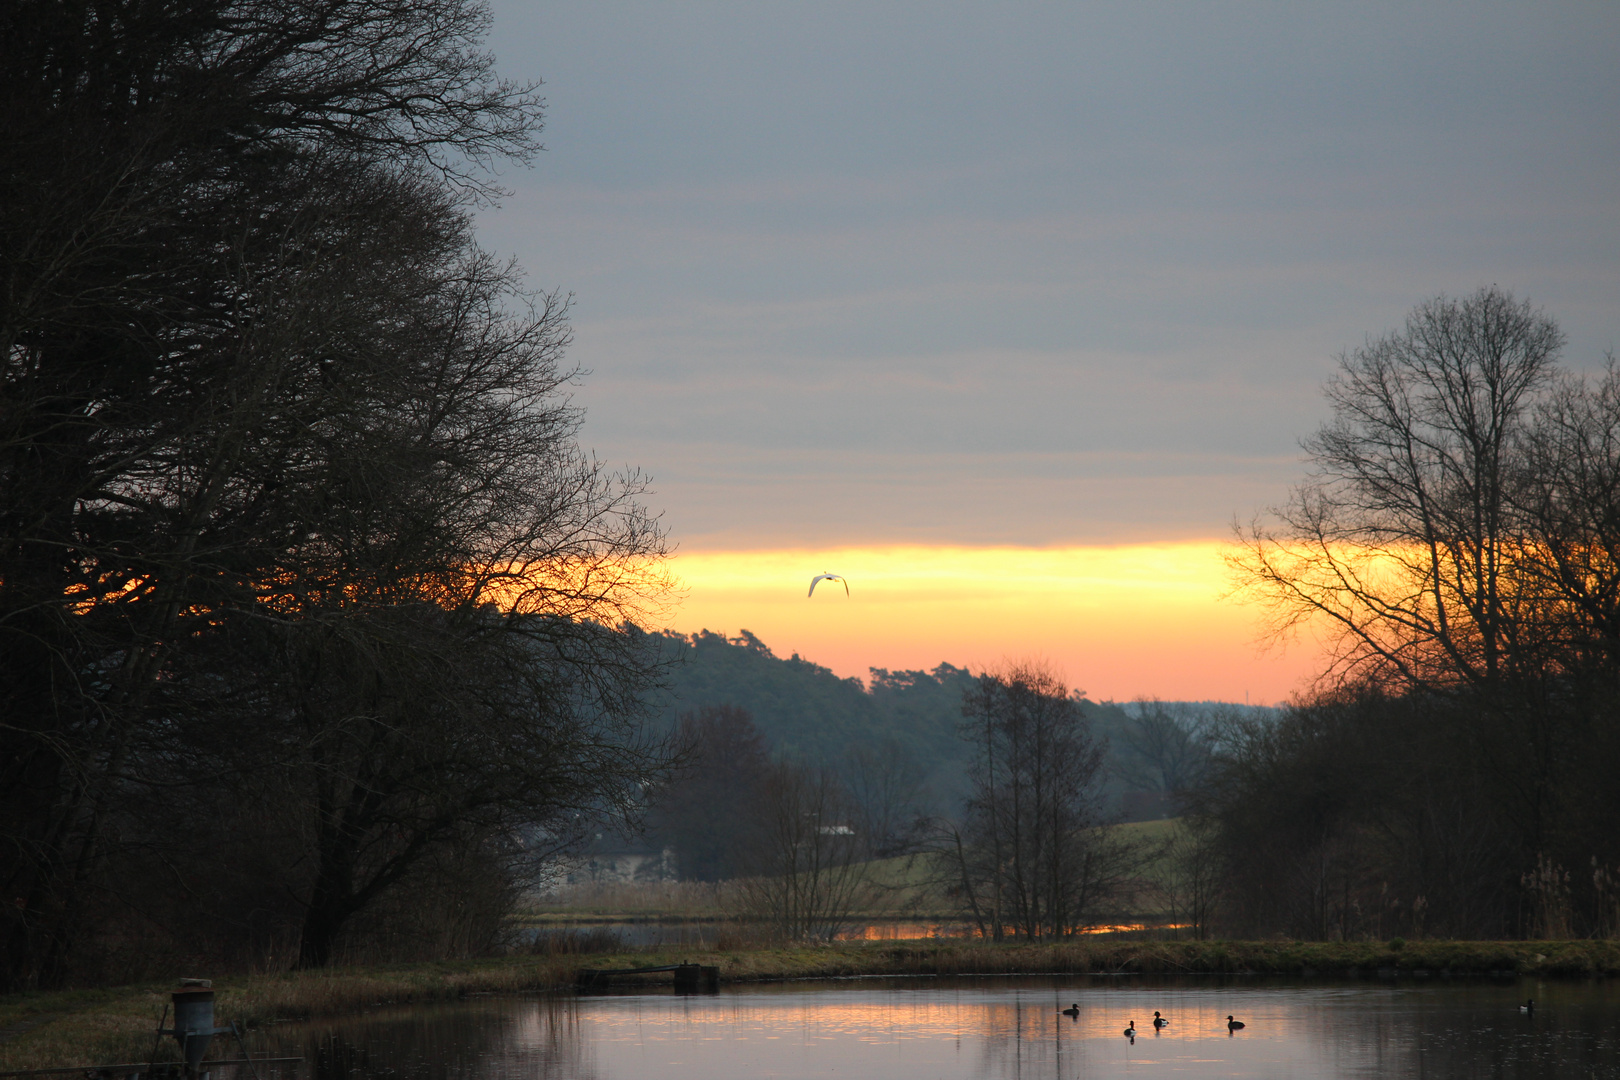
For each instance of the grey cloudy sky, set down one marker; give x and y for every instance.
(1034, 273)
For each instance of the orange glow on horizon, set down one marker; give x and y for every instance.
(1119, 621)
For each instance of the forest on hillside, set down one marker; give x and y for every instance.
(1007, 783)
(806, 712)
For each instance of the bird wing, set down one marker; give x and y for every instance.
(826, 577)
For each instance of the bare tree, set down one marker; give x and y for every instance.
(1408, 545)
(1032, 857)
(1403, 541)
(1456, 540)
(1188, 877)
(1568, 503)
(1169, 745)
(885, 786)
(806, 877)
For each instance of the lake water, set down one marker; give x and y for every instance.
(931, 1029)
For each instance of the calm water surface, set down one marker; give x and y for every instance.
(924, 1029)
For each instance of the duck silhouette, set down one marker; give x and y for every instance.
(1529, 1006)
(1158, 1021)
(1130, 1032)
(1233, 1025)
(1073, 1010)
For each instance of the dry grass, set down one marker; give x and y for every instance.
(901, 886)
(636, 900)
(79, 1027)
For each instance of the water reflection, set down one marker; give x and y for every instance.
(485, 1039)
(988, 1028)
(704, 933)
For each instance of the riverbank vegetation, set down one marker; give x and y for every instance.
(99, 1026)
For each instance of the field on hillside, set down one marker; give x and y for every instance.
(903, 889)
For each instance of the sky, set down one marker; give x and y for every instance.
(1008, 311)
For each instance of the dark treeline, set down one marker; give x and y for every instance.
(807, 713)
(1026, 853)
(1004, 784)
(793, 835)
(1459, 539)
(713, 812)
(307, 593)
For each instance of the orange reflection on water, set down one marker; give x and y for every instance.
(1031, 1019)
(908, 931)
(921, 931)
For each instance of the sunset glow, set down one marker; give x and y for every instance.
(1117, 621)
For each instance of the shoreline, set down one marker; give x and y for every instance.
(98, 1026)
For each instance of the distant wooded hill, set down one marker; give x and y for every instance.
(811, 714)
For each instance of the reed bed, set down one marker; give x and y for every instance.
(636, 899)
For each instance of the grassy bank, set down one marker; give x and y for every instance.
(86, 1027)
(903, 886)
(1310, 959)
(103, 1026)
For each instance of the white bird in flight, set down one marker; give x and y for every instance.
(826, 577)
